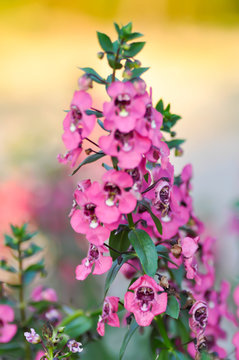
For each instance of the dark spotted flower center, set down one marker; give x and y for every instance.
(162, 198)
(201, 316)
(106, 310)
(89, 212)
(125, 139)
(145, 295)
(93, 253)
(76, 116)
(113, 191)
(121, 102)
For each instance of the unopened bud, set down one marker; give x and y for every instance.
(61, 329)
(178, 151)
(176, 250)
(88, 151)
(137, 64)
(139, 86)
(126, 47)
(127, 74)
(85, 82)
(100, 55)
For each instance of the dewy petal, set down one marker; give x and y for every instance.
(129, 302)
(82, 100)
(113, 320)
(101, 328)
(107, 214)
(143, 318)
(120, 178)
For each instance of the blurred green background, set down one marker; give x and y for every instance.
(193, 51)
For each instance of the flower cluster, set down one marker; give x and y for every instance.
(139, 217)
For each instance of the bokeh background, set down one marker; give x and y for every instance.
(193, 51)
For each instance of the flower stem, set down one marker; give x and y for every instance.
(116, 60)
(22, 304)
(130, 221)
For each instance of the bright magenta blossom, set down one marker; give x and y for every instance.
(125, 108)
(95, 257)
(32, 337)
(113, 200)
(145, 302)
(109, 314)
(235, 342)
(85, 220)
(189, 248)
(7, 330)
(128, 147)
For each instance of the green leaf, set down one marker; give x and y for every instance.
(132, 328)
(117, 28)
(179, 274)
(115, 269)
(32, 250)
(173, 307)
(78, 326)
(119, 240)
(145, 249)
(93, 75)
(127, 29)
(11, 348)
(31, 271)
(112, 63)
(160, 106)
(17, 231)
(155, 219)
(133, 36)
(11, 242)
(105, 42)
(174, 143)
(138, 72)
(89, 159)
(29, 236)
(161, 249)
(163, 355)
(6, 267)
(134, 49)
(94, 112)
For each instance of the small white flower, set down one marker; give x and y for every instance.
(32, 337)
(74, 346)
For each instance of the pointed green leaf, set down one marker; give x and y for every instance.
(89, 159)
(93, 75)
(173, 307)
(174, 143)
(7, 267)
(11, 242)
(115, 269)
(155, 219)
(119, 240)
(32, 250)
(132, 328)
(145, 249)
(105, 42)
(138, 72)
(134, 49)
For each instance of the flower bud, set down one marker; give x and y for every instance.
(126, 47)
(85, 82)
(100, 55)
(164, 282)
(139, 86)
(127, 74)
(137, 64)
(178, 151)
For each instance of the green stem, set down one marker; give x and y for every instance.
(22, 304)
(116, 60)
(163, 333)
(130, 221)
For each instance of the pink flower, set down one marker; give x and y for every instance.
(32, 337)
(85, 82)
(130, 268)
(109, 316)
(54, 316)
(40, 293)
(86, 220)
(145, 302)
(95, 257)
(113, 200)
(39, 355)
(235, 342)
(189, 248)
(198, 321)
(77, 126)
(74, 346)
(128, 147)
(7, 331)
(124, 108)
(236, 299)
(77, 118)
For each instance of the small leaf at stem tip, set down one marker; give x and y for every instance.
(6, 267)
(173, 307)
(145, 249)
(88, 160)
(174, 143)
(105, 42)
(93, 75)
(134, 49)
(132, 328)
